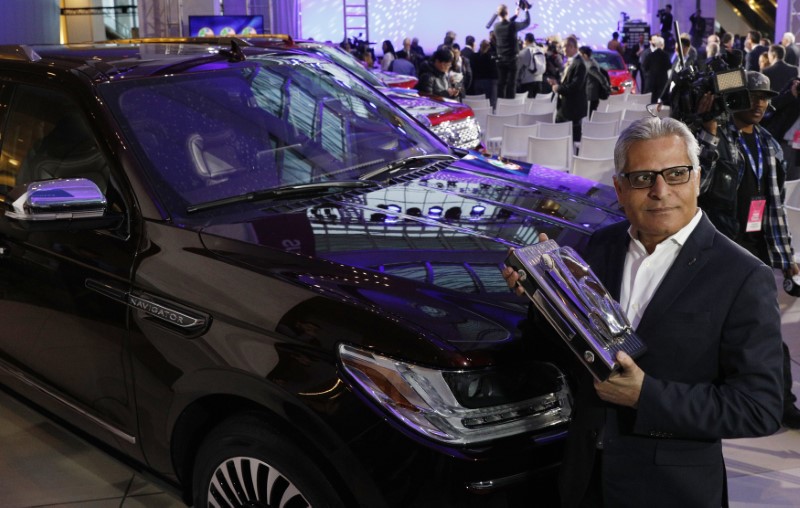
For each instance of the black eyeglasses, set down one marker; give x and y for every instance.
(675, 175)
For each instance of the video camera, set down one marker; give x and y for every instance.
(726, 80)
(524, 5)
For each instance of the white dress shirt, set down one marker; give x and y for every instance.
(644, 272)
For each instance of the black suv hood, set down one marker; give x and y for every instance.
(390, 252)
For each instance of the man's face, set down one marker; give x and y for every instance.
(570, 49)
(661, 210)
(748, 42)
(713, 38)
(759, 102)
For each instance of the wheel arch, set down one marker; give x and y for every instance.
(212, 397)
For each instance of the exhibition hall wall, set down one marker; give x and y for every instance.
(592, 20)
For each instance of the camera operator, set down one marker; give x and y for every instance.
(505, 32)
(741, 191)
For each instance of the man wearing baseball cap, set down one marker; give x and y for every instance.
(743, 172)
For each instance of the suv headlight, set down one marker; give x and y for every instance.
(461, 407)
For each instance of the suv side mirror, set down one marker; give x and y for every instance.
(60, 204)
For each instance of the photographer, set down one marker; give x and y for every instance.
(505, 32)
(741, 191)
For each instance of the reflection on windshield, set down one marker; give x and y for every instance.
(271, 121)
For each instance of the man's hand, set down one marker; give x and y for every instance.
(624, 387)
(791, 271)
(511, 276)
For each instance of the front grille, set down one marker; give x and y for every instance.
(465, 133)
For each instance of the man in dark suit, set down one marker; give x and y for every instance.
(572, 104)
(656, 69)
(753, 43)
(792, 50)
(780, 73)
(707, 310)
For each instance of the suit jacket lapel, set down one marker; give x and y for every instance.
(687, 265)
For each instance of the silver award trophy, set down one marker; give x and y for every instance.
(569, 295)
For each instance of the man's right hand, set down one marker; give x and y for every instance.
(511, 276)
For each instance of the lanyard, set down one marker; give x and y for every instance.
(757, 169)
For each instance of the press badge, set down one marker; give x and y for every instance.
(756, 214)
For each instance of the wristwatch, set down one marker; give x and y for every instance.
(708, 138)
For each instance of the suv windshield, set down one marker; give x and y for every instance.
(271, 121)
(344, 59)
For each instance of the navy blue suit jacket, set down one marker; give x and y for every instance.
(712, 371)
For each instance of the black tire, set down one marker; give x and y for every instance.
(244, 463)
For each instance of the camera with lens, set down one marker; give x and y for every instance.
(661, 12)
(524, 5)
(727, 83)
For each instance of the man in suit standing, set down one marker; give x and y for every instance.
(792, 51)
(752, 43)
(572, 104)
(656, 69)
(651, 434)
(780, 73)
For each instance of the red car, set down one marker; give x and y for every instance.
(621, 79)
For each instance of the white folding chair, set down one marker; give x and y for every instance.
(554, 153)
(599, 170)
(606, 116)
(544, 97)
(555, 130)
(521, 95)
(639, 98)
(792, 197)
(493, 135)
(515, 140)
(541, 107)
(503, 100)
(509, 108)
(476, 96)
(614, 106)
(599, 129)
(528, 118)
(624, 124)
(635, 114)
(483, 102)
(597, 148)
(480, 116)
(620, 97)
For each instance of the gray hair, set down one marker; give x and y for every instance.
(654, 128)
(789, 36)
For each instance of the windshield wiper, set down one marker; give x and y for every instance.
(415, 162)
(303, 190)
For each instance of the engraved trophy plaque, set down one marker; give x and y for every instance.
(566, 291)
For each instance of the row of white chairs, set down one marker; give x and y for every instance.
(539, 104)
(792, 207)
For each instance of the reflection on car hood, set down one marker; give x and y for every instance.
(436, 110)
(427, 253)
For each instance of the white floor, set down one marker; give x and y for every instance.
(41, 465)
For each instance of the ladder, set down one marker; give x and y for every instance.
(356, 19)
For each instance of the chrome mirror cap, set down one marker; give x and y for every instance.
(71, 198)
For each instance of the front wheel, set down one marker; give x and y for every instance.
(244, 463)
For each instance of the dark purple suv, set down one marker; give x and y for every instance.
(257, 279)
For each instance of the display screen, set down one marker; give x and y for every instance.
(225, 26)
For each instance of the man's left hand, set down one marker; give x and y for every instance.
(792, 271)
(622, 387)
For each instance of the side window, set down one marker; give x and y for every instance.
(47, 136)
